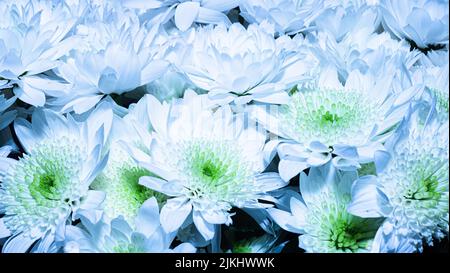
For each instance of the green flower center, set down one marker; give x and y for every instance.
(425, 189)
(46, 186)
(214, 168)
(51, 171)
(120, 181)
(43, 184)
(350, 233)
(130, 178)
(329, 116)
(209, 169)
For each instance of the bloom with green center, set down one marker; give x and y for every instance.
(435, 79)
(411, 192)
(321, 216)
(207, 160)
(331, 122)
(120, 181)
(120, 177)
(144, 235)
(51, 181)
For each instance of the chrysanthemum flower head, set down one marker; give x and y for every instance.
(184, 12)
(119, 55)
(412, 191)
(41, 190)
(120, 177)
(321, 216)
(118, 236)
(239, 64)
(33, 36)
(288, 16)
(425, 22)
(436, 82)
(332, 122)
(208, 161)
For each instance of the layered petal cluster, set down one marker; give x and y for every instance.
(239, 64)
(120, 177)
(411, 193)
(345, 124)
(207, 161)
(185, 12)
(50, 183)
(349, 38)
(425, 22)
(288, 16)
(117, 236)
(320, 214)
(119, 55)
(209, 126)
(33, 37)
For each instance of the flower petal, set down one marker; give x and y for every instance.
(174, 213)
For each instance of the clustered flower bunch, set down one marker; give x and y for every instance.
(223, 125)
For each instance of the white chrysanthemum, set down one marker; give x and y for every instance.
(208, 161)
(288, 16)
(425, 22)
(411, 192)
(118, 55)
(240, 64)
(40, 191)
(117, 236)
(120, 177)
(331, 122)
(321, 216)
(436, 81)
(33, 36)
(184, 12)
(349, 39)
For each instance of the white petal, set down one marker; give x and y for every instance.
(290, 168)
(171, 188)
(367, 199)
(147, 220)
(381, 160)
(174, 213)
(344, 164)
(93, 200)
(154, 70)
(215, 216)
(285, 220)
(206, 229)
(270, 181)
(159, 114)
(30, 95)
(345, 151)
(26, 135)
(185, 14)
(209, 16)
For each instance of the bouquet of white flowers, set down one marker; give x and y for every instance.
(216, 126)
